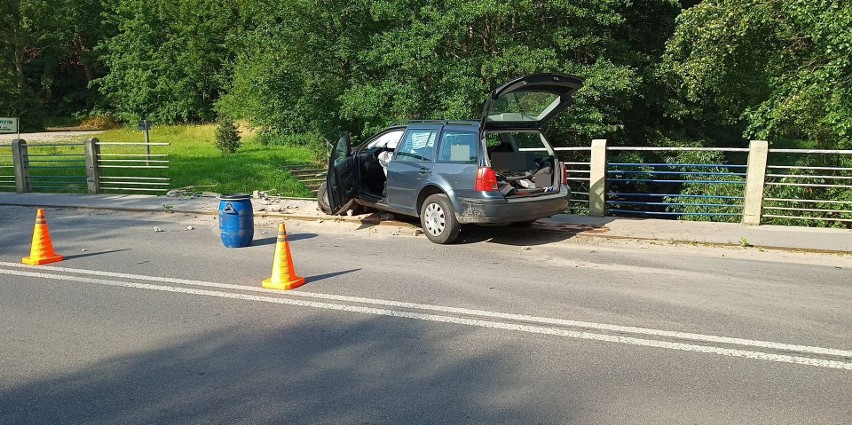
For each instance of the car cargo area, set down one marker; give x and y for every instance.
(523, 164)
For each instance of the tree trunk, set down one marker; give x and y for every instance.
(18, 42)
(20, 60)
(90, 75)
(79, 48)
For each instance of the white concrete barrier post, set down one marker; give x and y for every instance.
(597, 179)
(93, 176)
(21, 164)
(755, 177)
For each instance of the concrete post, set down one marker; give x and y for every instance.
(758, 152)
(93, 175)
(597, 179)
(21, 163)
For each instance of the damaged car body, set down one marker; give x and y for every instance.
(499, 169)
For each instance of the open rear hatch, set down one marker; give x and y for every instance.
(523, 161)
(529, 102)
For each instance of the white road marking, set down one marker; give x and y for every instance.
(832, 364)
(805, 349)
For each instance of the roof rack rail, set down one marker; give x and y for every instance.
(445, 122)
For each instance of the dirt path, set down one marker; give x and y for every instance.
(48, 136)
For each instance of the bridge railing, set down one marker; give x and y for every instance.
(804, 186)
(754, 185)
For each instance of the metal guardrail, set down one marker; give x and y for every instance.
(778, 188)
(83, 167)
(7, 169)
(578, 168)
(808, 193)
(51, 171)
(130, 171)
(657, 189)
(654, 188)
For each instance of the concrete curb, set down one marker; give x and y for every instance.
(585, 234)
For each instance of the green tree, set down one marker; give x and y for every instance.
(325, 66)
(777, 69)
(24, 36)
(48, 61)
(227, 136)
(167, 58)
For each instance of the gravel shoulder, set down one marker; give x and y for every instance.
(48, 136)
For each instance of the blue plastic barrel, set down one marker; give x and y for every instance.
(236, 220)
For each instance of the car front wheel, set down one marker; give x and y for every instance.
(439, 220)
(322, 199)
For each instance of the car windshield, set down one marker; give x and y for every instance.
(523, 106)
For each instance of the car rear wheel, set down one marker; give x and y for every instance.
(439, 220)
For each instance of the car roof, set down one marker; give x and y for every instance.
(437, 122)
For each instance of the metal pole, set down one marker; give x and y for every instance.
(147, 142)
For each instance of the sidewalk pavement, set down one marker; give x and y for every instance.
(776, 237)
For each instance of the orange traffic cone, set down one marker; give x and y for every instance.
(41, 251)
(283, 274)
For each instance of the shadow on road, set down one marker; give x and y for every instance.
(539, 233)
(322, 370)
(290, 237)
(544, 231)
(90, 254)
(311, 279)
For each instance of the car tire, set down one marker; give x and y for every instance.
(322, 199)
(438, 219)
(322, 202)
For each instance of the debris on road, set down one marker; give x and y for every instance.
(190, 228)
(157, 229)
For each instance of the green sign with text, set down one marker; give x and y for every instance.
(8, 125)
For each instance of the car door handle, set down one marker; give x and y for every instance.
(423, 171)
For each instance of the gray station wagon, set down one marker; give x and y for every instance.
(500, 169)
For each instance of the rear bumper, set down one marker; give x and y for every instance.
(473, 210)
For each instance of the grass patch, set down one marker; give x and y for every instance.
(193, 161)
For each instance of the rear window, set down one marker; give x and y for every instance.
(458, 146)
(517, 141)
(523, 106)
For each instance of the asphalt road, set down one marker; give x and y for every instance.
(508, 326)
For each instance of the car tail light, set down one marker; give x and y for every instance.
(564, 169)
(486, 180)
